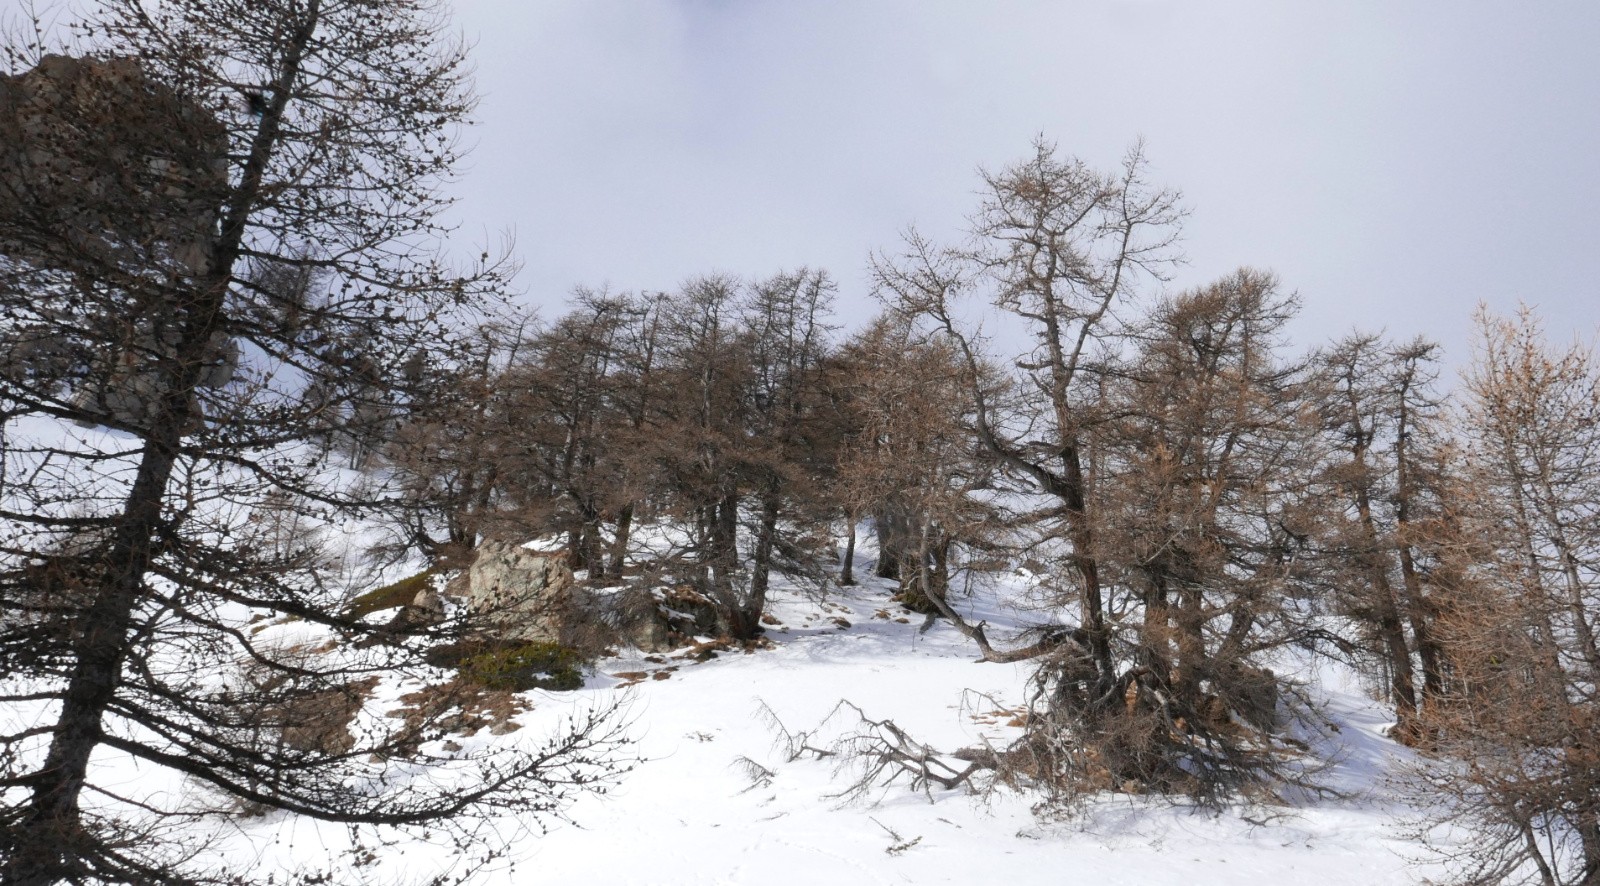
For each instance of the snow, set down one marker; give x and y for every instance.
(691, 816)
(689, 812)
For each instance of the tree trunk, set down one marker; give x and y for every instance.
(1402, 686)
(1190, 664)
(847, 571)
(575, 548)
(726, 537)
(1091, 600)
(1428, 652)
(48, 831)
(889, 525)
(761, 568)
(619, 543)
(940, 576)
(1416, 604)
(593, 546)
(722, 560)
(1155, 646)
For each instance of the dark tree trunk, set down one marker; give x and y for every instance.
(725, 535)
(48, 832)
(575, 548)
(593, 547)
(1154, 653)
(895, 551)
(766, 535)
(1092, 601)
(721, 561)
(1416, 605)
(619, 543)
(705, 519)
(1428, 651)
(847, 571)
(1191, 663)
(584, 545)
(1402, 687)
(761, 557)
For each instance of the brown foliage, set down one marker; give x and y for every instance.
(1520, 714)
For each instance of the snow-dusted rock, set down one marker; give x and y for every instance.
(527, 594)
(522, 595)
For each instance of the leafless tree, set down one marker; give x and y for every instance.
(787, 319)
(217, 251)
(734, 439)
(1521, 714)
(1167, 456)
(1387, 430)
(911, 461)
(569, 393)
(455, 445)
(1205, 486)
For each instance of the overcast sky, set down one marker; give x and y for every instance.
(1394, 162)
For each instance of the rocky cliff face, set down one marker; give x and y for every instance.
(97, 158)
(107, 175)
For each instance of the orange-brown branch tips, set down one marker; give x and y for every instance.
(1519, 710)
(1142, 435)
(245, 301)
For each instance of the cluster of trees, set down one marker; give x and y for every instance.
(1191, 494)
(224, 324)
(1202, 495)
(1518, 544)
(696, 407)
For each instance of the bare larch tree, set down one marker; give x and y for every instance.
(217, 254)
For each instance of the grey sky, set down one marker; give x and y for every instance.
(1394, 162)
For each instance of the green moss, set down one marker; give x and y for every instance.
(389, 596)
(529, 666)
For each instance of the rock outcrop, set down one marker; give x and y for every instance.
(515, 594)
(524, 596)
(111, 162)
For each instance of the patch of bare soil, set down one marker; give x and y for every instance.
(460, 708)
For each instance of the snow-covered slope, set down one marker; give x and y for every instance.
(690, 813)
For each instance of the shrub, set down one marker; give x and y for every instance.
(520, 668)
